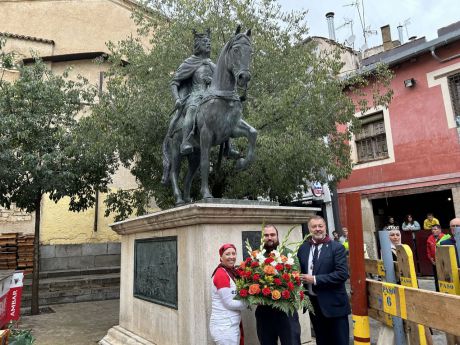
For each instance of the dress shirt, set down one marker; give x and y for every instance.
(310, 266)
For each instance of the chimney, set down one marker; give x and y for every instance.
(330, 25)
(400, 33)
(386, 37)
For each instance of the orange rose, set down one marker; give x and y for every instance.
(276, 295)
(254, 289)
(254, 253)
(283, 258)
(270, 270)
(295, 274)
(243, 264)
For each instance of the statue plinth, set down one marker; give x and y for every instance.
(175, 309)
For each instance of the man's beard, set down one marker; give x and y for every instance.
(271, 246)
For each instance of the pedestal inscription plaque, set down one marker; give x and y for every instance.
(155, 270)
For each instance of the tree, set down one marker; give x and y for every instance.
(296, 100)
(44, 150)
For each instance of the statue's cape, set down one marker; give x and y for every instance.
(183, 75)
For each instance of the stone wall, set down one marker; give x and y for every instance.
(16, 220)
(79, 256)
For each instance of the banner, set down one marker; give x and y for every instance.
(14, 296)
(4, 288)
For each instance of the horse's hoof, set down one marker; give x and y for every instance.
(207, 196)
(179, 202)
(187, 200)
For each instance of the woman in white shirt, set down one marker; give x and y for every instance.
(225, 323)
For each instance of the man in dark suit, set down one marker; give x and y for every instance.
(273, 324)
(324, 269)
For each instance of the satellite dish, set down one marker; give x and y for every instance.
(350, 40)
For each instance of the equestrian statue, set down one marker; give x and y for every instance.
(208, 111)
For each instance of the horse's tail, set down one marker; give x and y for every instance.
(166, 160)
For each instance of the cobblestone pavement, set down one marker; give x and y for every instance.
(83, 323)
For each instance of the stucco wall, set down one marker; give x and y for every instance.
(424, 144)
(74, 25)
(61, 226)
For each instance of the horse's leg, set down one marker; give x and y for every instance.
(205, 147)
(193, 164)
(175, 168)
(243, 129)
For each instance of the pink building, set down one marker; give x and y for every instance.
(407, 157)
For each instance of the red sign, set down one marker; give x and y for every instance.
(4, 288)
(14, 296)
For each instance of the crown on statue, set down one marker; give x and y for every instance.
(199, 36)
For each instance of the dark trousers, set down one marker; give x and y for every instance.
(329, 330)
(435, 276)
(273, 324)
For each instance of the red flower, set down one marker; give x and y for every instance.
(248, 259)
(266, 291)
(288, 267)
(277, 281)
(279, 267)
(290, 286)
(240, 272)
(268, 261)
(243, 293)
(302, 296)
(256, 277)
(285, 294)
(255, 264)
(297, 280)
(286, 277)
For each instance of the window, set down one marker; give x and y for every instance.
(454, 90)
(371, 141)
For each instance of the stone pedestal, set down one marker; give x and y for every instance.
(199, 229)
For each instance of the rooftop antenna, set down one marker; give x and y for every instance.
(365, 30)
(351, 39)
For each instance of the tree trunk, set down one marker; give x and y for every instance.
(36, 270)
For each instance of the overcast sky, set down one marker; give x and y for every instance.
(422, 17)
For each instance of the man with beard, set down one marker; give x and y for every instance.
(324, 269)
(273, 323)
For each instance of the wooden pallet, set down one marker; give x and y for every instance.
(8, 250)
(25, 252)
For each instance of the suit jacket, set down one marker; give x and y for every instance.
(331, 273)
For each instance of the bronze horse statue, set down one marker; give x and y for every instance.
(218, 119)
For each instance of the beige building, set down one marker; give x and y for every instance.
(66, 33)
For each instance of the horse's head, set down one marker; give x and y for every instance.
(239, 56)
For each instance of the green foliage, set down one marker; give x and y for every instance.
(20, 336)
(43, 148)
(295, 99)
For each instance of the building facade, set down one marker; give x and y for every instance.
(407, 156)
(66, 34)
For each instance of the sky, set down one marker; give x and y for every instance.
(418, 17)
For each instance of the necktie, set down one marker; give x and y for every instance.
(315, 255)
